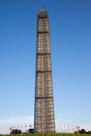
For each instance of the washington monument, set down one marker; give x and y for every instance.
(44, 120)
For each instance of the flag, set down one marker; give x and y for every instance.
(10, 129)
(77, 128)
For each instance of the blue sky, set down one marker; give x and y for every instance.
(70, 32)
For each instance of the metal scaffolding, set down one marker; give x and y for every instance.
(44, 121)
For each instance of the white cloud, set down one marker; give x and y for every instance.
(5, 124)
(87, 127)
(62, 124)
(63, 121)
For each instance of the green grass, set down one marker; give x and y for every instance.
(49, 134)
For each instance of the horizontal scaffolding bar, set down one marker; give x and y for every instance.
(43, 53)
(42, 17)
(42, 71)
(41, 32)
(44, 97)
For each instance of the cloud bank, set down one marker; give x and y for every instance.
(5, 124)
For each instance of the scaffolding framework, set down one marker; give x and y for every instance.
(44, 121)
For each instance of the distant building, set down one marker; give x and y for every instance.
(44, 121)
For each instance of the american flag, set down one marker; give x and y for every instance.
(10, 129)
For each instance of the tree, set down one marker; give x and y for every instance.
(82, 131)
(16, 131)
